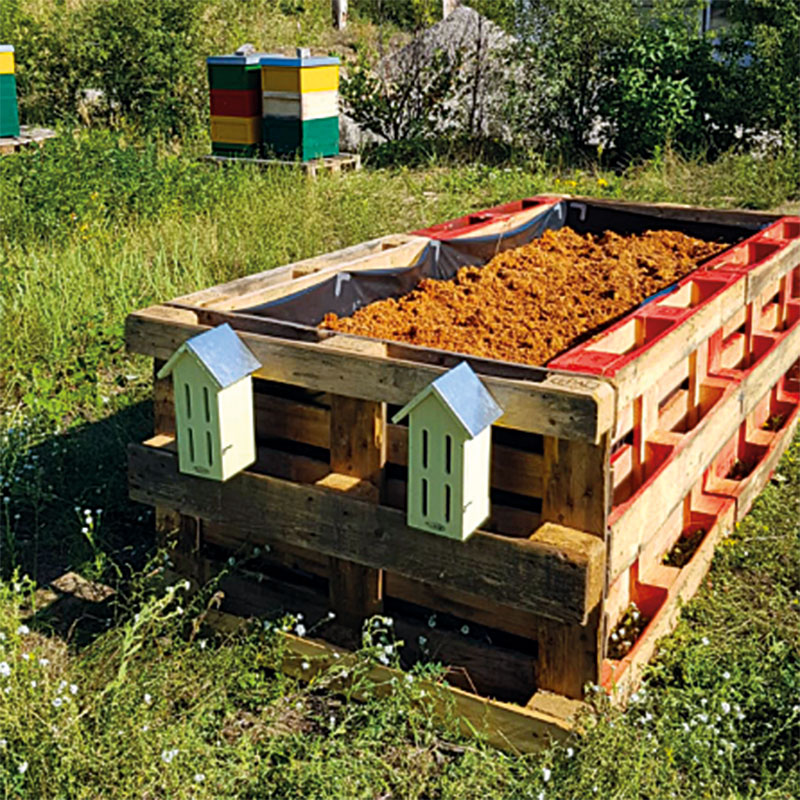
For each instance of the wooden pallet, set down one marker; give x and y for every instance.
(27, 136)
(513, 727)
(594, 476)
(344, 162)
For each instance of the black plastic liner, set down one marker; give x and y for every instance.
(346, 292)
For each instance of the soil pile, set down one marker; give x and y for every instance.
(531, 303)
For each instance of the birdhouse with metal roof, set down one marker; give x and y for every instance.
(449, 443)
(213, 390)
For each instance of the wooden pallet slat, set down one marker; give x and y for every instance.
(561, 581)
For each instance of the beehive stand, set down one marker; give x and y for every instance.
(333, 165)
(600, 463)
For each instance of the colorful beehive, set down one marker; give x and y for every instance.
(235, 83)
(9, 119)
(213, 395)
(300, 105)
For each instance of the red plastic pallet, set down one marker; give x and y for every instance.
(470, 223)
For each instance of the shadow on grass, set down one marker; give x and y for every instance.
(69, 525)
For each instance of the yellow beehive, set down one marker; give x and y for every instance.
(6, 62)
(299, 80)
(449, 443)
(211, 376)
(236, 130)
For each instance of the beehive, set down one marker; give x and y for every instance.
(300, 106)
(235, 96)
(9, 118)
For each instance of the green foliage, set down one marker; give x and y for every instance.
(406, 14)
(761, 50)
(554, 97)
(411, 101)
(657, 84)
(145, 61)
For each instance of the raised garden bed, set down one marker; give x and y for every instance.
(603, 459)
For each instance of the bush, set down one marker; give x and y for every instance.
(657, 84)
(554, 99)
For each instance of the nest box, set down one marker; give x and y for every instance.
(449, 444)
(213, 389)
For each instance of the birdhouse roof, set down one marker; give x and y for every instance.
(223, 354)
(6, 48)
(463, 393)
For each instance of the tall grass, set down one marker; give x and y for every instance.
(92, 228)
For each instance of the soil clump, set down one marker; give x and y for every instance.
(531, 303)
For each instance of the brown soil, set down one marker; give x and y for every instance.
(531, 303)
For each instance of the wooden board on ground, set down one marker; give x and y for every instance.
(507, 726)
(28, 135)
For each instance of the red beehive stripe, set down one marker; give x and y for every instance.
(235, 103)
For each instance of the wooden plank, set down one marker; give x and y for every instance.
(554, 581)
(221, 294)
(640, 374)
(681, 586)
(577, 484)
(559, 405)
(358, 450)
(167, 522)
(514, 728)
(750, 220)
(470, 661)
(569, 655)
(772, 269)
(513, 470)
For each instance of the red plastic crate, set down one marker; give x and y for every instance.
(470, 223)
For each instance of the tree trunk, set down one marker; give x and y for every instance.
(339, 9)
(449, 6)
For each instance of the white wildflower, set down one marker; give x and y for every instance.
(300, 630)
(73, 688)
(148, 698)
(168, 755)
(22, 768)
(546, 773)
(23, 630)
(726, 707)
(199, 777)
(5, 669)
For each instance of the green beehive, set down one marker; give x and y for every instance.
(9, 118)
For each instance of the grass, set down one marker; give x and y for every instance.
(91, 228)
